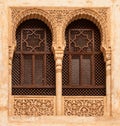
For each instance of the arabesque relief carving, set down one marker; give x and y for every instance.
(100, 16)
(33, 106)
(58, 19)
(61, 17)
(83, 107)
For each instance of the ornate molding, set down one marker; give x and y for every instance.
(58, 19)
(34, 106)
(107, 55)
(79, 106)
(58, 60)
(100, 16)
(10, 52)
(19, 15)
(59, 15)
(108, 60)
(55, 17)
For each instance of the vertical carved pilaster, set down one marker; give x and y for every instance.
(108, 82)
(11, 51)
(58, 66)
(58, 50)
(107, 58)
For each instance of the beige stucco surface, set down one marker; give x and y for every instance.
(112, 117)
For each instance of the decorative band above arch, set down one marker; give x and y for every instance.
(24, 14)
(89, 14)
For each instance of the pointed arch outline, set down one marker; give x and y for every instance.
(98, 17)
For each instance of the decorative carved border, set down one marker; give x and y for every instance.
(33, 106)
(21, 14)
(100, 16)
(58, 19)
(83, 106)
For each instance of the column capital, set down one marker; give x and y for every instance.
(106, 53)
(58, 56)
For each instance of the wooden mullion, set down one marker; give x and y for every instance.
(33, 86)
(79, 70)
(85, 86)
(93, 70)
(70, 71)
(70, 58)
(83, 53)
(22, 69)
(29, 52)
(93, 61)
(21, 61)
(71, 53)
(44, 60)
(33, 70)
(80, 67)
(21, 37)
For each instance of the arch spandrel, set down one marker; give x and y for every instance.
(61, 17)
(20, 15)
(99, 16)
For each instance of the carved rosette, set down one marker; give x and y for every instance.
(83, 106)
(34, 106)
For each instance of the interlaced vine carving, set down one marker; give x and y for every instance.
(63, 16)
(83, 107)
(59, 15)
(33, 106)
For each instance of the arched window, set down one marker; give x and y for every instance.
(83, 64)
(33, 66)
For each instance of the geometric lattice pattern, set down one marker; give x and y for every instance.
(33, 66)
(99, 69)
(33, 91)
(83, 107)
(83, 92)
(16, 70)
(34, 106)
(50, 69)
(83, 70)
(65, 70)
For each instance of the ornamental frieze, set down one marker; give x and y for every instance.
(34, 106)
(83, 107)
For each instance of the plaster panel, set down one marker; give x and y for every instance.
(61, 3)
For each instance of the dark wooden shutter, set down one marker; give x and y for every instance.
(33, 66)
(83, 64)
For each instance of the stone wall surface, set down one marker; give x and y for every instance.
(112, 108)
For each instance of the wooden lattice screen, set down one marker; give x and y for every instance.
(33, 66)
(83, 64)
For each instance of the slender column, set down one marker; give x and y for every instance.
(108, 82)
(107, 59)
(58, 61)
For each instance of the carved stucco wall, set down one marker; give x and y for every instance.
(58, 20)
(84, 106)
